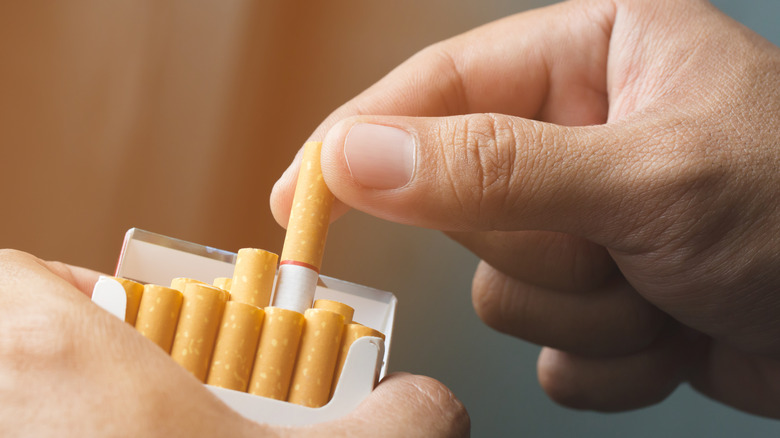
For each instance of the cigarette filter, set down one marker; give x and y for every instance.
(158, 314)
(335, 306)
(276, 352)
(201, 315)
(234, 351)
(134, 292)
(223, 283)
(352, 332)
(306, 233)
(317, 356)
(180, 283)
(253, 277)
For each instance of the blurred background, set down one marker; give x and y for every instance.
(177, 117)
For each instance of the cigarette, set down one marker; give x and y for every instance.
(316, 362)
(234, 350)
(223, 283)
(253, 277)
(334, 306)
(276, 352)
(158, 314)
(134, 292)
(306, 233)
(201, 315)
(352, 332)
(180, 283)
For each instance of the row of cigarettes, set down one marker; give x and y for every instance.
(226, 334)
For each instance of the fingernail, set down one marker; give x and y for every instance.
(379, 157)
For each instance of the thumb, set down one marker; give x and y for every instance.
(477, 172)
(402, 405)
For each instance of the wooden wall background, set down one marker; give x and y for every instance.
(178, 116)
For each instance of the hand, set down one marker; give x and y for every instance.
(68, 367)
(616, 165)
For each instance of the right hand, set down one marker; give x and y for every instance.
(632, 229)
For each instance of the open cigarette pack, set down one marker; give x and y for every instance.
(153, 259)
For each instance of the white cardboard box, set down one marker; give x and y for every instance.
(152, 258)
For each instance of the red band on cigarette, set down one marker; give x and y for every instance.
(302, 264)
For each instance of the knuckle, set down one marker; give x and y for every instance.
(16, 265)
(37, 327)
(497, 302)
(34, 339)
(442, 67)
(480, 152)
(8, 255)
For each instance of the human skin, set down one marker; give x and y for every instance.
(616, 166)
(68, 368)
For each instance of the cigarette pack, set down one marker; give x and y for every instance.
(152, 258)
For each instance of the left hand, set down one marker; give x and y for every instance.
(68, 368)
